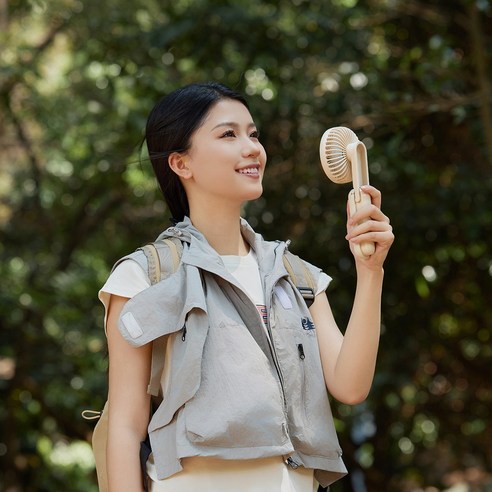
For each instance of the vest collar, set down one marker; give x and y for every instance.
(199, 253)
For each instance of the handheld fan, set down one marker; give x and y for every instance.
(344, 159)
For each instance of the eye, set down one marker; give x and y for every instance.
(255, 134)
(228, 134)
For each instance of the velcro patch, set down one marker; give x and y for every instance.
(282, 297)
(131, 325)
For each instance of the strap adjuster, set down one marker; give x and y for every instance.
(307, 294)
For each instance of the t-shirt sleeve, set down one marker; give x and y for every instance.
(321, 279)
(324, 281)
(126, 280)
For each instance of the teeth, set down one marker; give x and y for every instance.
(249, 170)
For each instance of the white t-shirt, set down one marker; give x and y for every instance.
(205, 473)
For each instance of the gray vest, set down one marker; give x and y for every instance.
(236, 391)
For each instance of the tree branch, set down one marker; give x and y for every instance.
(479, 51)
(34, 161)
(84, 225)
(419, 108)
(10, 82)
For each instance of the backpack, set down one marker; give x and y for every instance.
(160, 266)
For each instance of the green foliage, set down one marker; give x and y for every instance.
(77, 80)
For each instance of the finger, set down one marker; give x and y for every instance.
(374, 193)
(370, 212)
(381, 239)
(367, 227)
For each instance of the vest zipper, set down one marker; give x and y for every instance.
(184, 333)
(302, 356)
(300, 348)
(274, 356)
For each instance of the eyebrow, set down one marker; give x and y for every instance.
(233, 124)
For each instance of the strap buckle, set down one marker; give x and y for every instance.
(308, 295)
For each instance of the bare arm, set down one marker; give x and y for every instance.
(349, 360)
(129, 372)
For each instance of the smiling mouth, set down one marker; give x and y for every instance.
(252, 171)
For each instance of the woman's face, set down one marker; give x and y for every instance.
(226, 159)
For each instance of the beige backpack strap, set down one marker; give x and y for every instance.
(154, 265)
(160, 272)
(301, 277)
(154, 260)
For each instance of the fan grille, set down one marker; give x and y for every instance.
(333, 153)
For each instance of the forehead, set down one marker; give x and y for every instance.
(228, 111)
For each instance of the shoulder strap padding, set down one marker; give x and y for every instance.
(153, 263)
(163, 258)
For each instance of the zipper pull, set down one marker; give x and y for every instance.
(290, 462)
(300, 348)
(184, 333)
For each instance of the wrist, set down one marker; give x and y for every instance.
(370, 273)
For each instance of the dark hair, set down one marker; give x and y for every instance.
(170, 126)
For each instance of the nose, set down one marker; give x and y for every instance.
(252, 148)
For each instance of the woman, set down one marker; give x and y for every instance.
(245, 405)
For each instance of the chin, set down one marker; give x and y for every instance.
(254, 195)
(248, 195)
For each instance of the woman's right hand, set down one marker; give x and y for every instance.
(370, 224)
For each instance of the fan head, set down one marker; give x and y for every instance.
(333, 153)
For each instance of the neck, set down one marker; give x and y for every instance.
(222, 229)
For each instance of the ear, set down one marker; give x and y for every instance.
(178, 163)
